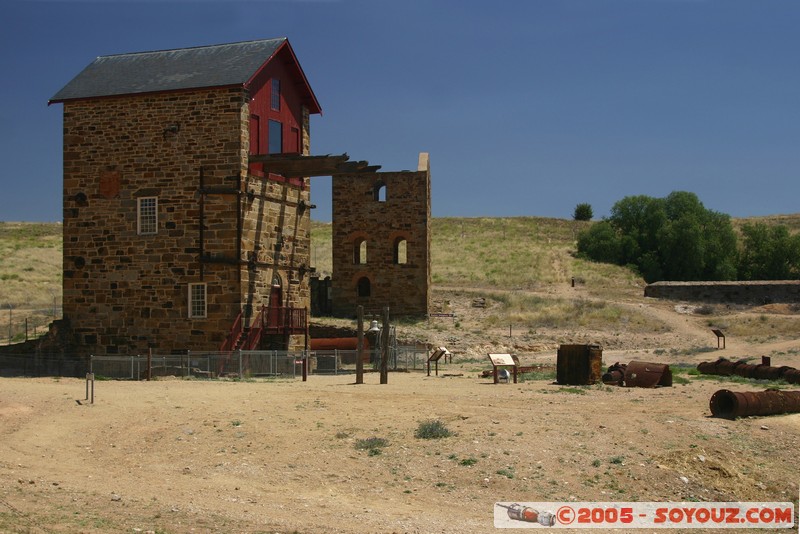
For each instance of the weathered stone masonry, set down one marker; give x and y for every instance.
(124, 292)
(383, 211)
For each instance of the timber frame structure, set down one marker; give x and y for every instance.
(268, 323)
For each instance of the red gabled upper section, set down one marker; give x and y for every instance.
(285, 54)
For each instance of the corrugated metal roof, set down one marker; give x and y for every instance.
(170, 70)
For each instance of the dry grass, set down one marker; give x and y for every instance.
(322, 248)
(518, 252)
(792, 222)
(536, 312)
(757, 327)
(30, 277)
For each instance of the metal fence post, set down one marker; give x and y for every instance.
(240, 365)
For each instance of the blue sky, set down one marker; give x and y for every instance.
(526, 107)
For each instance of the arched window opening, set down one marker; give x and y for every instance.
(360, 252)
(379, 192)
(400, 251)
(363, 287)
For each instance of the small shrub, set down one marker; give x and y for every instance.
(432, 429)
(468, 461)
(371, 444)
(507, 472)
(617, 460)
(583, 212)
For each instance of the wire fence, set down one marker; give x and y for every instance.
(236, 364)
(22, 324)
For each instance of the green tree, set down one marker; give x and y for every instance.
(583, 212)
(672, 238)
(601, 242)
(769, 253)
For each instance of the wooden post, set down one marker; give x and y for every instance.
(385, 347)
(149, 363)
(90, 379)
(305, 352)
(360, 347)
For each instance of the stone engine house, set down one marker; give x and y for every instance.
(181, 227)
(382, 241)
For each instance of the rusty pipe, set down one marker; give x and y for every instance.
(762, 371)
(730, 405)
(792, 376)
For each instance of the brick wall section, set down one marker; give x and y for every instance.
(757, 292)
(123, 291)
(405, 214)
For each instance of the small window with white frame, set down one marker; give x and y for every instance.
(147, 215)
(197, 301)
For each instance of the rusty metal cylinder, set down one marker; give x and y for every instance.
(615, 375)
(709, 368)
(762, 371)
(726, 367)
(730, 405)
(767, 372)
(792, 376)
(746, 370)
(647, 375)
(614, 378)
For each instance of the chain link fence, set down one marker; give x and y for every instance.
(237, 364)
(251, 364)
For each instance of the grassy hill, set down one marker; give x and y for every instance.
(502, 253)
(514, 262)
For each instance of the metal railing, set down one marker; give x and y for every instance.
(279, 320)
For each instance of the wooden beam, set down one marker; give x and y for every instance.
(296, 166)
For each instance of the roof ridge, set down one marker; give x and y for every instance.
(198, 47)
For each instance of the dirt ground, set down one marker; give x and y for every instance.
(281, 455)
